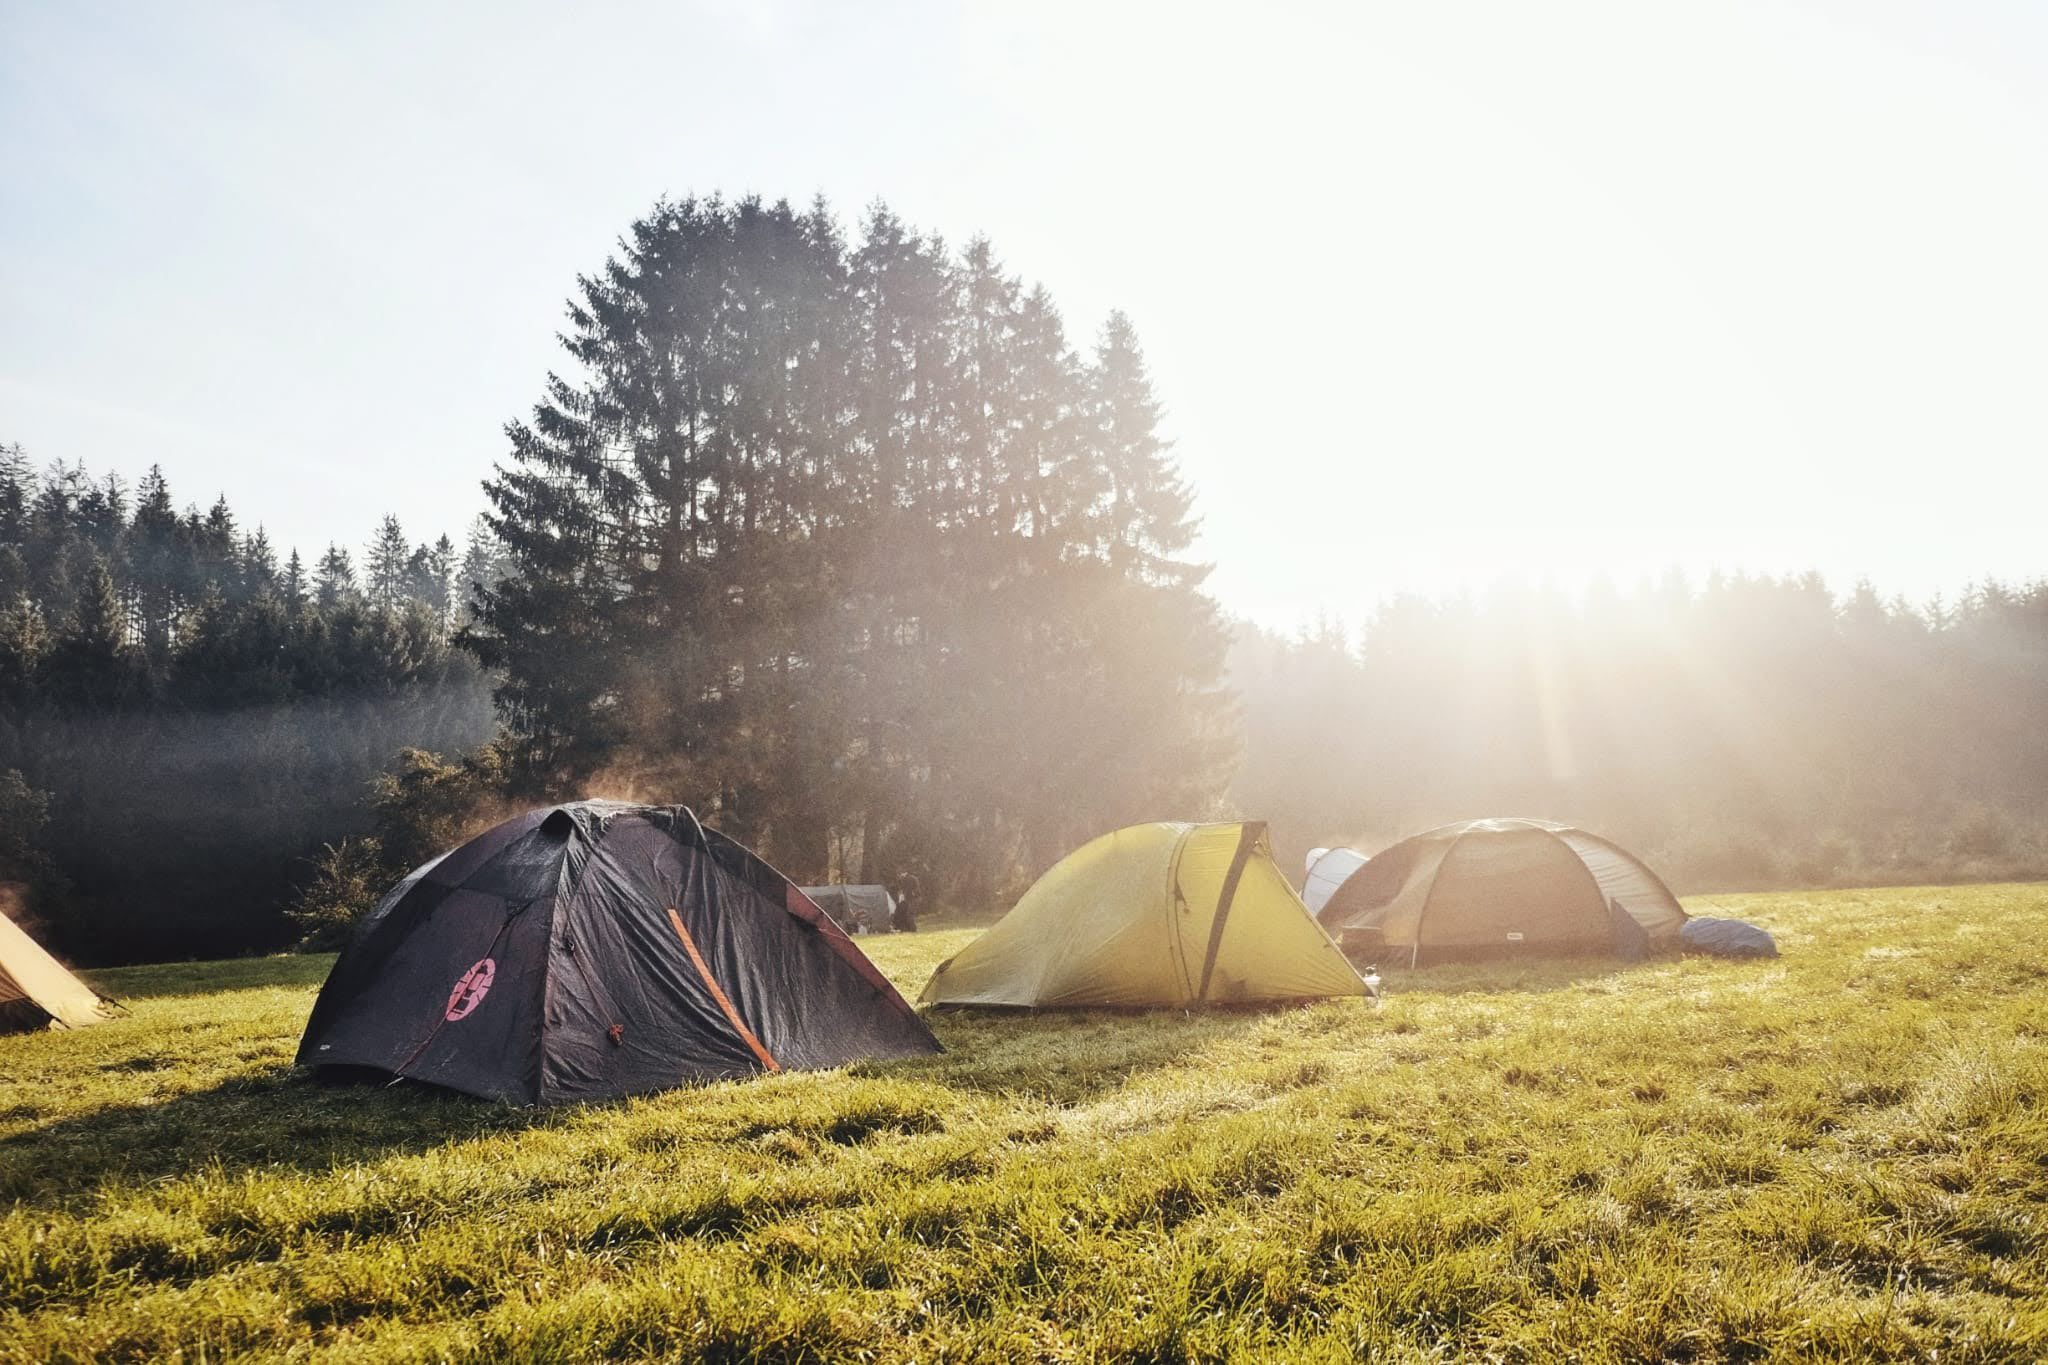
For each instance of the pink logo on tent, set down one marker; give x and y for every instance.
(471, 990)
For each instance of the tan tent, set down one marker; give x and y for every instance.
(36, 990)
(1163, 914)
(1492, 887)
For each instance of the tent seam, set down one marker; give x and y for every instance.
(1415, 950)
(1579, 861)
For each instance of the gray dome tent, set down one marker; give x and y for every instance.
(1503, 887)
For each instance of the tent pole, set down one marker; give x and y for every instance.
(1248, 835)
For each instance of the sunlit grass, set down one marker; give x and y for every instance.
(1841, 1154)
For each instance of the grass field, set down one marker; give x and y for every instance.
(1839, 1155)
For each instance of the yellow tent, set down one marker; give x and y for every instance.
(1163, 914)
(35, 990)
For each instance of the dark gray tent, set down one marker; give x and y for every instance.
(858, 909)
(601, 949)
(1499, 887)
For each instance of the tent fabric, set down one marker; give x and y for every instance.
(36, 991)
(1328, 869)
(601, 949)
(855, 908)
(1727, 938)
(1627, 937)
(1505, 886)
(1153, 915)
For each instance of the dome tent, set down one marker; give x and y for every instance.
(1153, 915)
(856, 908)
(35, 989)
(1491, 887)
(600, 949)
(1328, 869)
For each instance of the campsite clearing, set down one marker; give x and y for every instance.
(1840, 1154)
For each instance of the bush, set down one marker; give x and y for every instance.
(34, 885)
(1714, 856)
(428, 805)
(348, 879)
(1981, 833)
(420, 810)
(1825, 860)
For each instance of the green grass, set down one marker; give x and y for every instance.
(1839, 1155)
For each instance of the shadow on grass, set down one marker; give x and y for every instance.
(1068, 1056)
(282, 1117)
(274, 1117)
(277, 1116)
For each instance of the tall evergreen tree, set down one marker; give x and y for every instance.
(93, 662)
(292, 587)
(24, 642)
(17, 494)
(483, 564)
(156, 556)
(386, 564)
(816, 539)
(102, 512)
(258, 570)
(335, 578)
(430, 576)
(1146, 518)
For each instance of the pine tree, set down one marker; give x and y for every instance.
(155, 559)
(258, 563)
(14, 576)
(203, 670)
(483, 564)
(263, 628)
(54, 549)
(385, 565)
(24, 644)
(102, 512)
(93, 663)
(990, 405)
(292, 588)
(17, 494)
(1048, 479)
(334, 579)
(1147, 517)
(430, 576)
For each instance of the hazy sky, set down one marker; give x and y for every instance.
(1433, 292)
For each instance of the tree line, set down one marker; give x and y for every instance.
(112, 598)
(185, 716)
(1748, 731)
